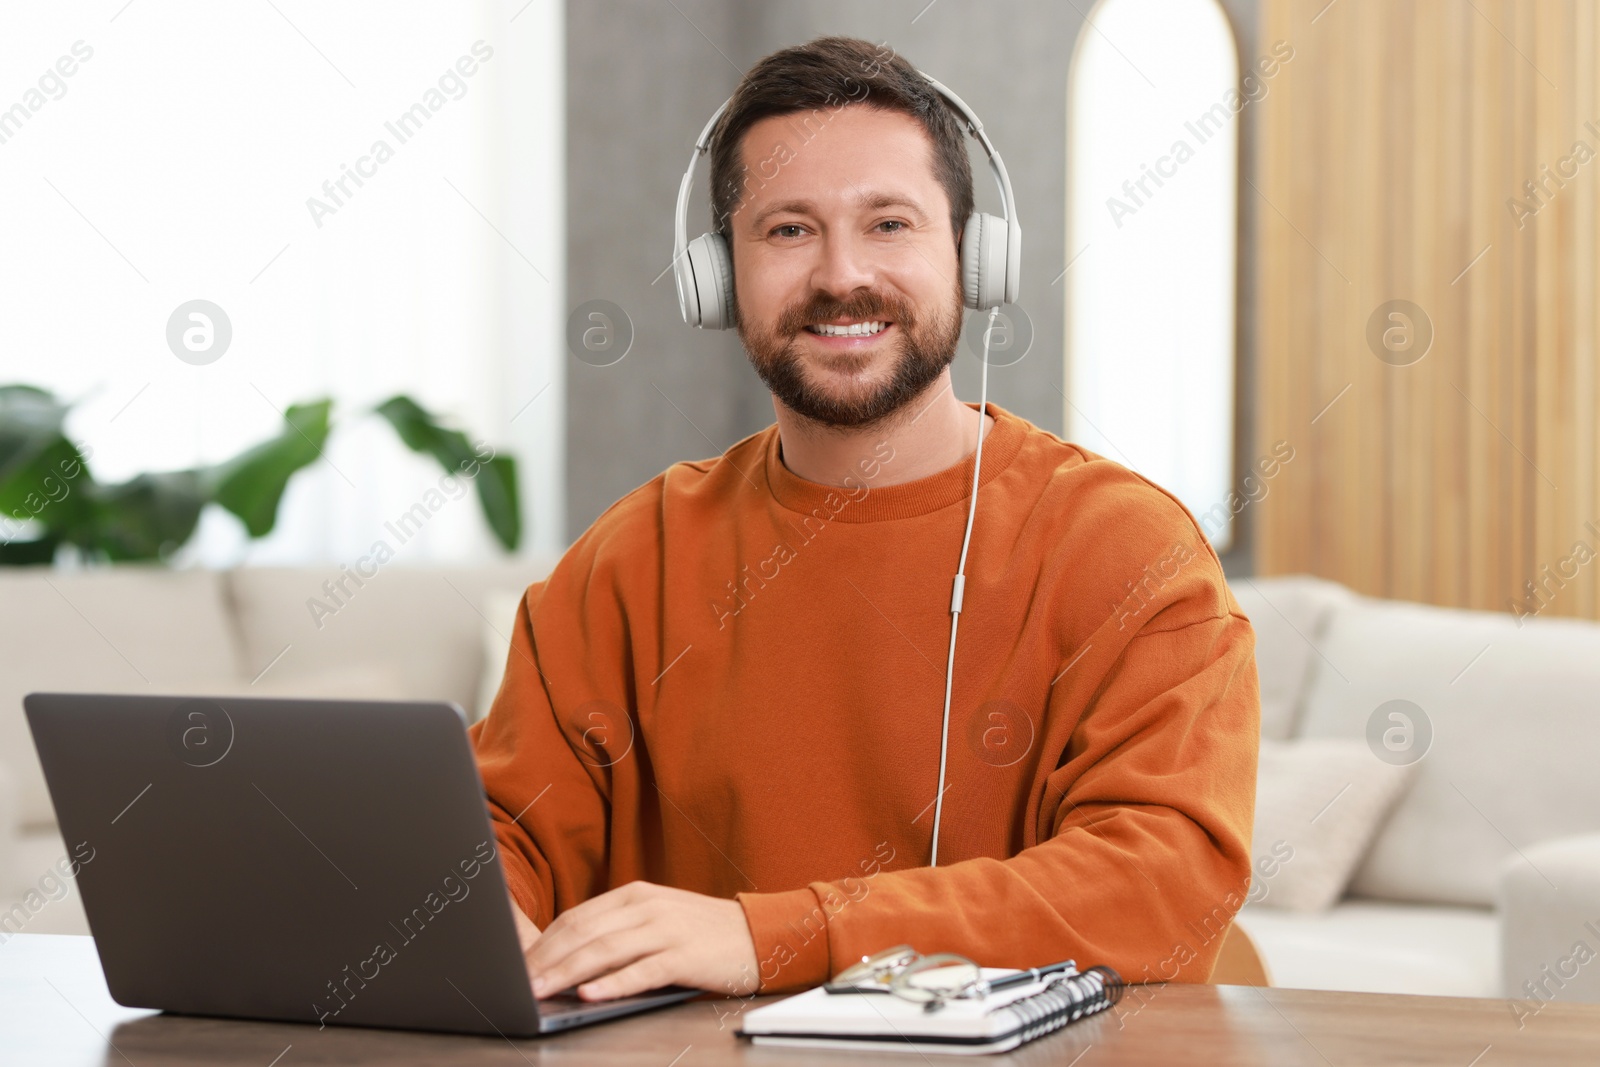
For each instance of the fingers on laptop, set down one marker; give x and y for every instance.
(639, 937)
(596, 938)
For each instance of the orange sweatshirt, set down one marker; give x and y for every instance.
(733, 683)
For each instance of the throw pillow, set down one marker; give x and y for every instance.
(1319, 804)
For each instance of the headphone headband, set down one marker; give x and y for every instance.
(680, 231)
(683, 270)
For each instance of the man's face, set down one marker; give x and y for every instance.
(845, 267)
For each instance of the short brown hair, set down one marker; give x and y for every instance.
(820, 77)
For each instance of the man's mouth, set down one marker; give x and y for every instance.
(866, 328)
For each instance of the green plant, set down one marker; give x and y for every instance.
(48, 498)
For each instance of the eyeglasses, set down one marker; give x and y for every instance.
(931, 981)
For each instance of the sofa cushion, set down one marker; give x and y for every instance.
(1288, 615)
(353, 681)
(35, 898)
(1319, 801)
(129, 628)
(10, 825)
(424, 624)
(1550, 924)
(1514, 724)
(1376, 947)
(500, 615)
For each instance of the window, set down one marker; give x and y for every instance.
(1152, 163)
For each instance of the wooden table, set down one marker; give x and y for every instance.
(55, 1010)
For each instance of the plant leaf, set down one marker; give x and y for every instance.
(497, 495)
(251, 484)
(30, 422)
(43, 476)
(146, 517)
(22, 553)
(51, 485)
(494, 478)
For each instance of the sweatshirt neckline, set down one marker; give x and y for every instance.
(866, 502)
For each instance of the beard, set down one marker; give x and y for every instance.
(921, 353)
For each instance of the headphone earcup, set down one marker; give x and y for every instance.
(984, 261)
(710, 284)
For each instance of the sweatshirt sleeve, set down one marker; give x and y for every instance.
(1141, 852)
(550, 751)
(547, 812)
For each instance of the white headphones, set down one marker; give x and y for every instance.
(991, 248)
(991, 261)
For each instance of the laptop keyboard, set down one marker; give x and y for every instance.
(567, 1002)
(561, 1003)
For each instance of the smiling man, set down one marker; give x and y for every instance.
(714, 756)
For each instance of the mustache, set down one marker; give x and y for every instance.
(863, 304)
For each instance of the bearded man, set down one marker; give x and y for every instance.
(715, 755)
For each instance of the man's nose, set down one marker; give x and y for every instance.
(844, 265)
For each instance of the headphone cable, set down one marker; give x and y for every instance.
(961, 583)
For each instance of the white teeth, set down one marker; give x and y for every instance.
(855, 329)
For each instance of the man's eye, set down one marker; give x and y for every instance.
(784, 231)
(896, 223)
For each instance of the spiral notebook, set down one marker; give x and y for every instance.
(884, 1023)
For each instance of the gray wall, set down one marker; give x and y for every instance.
(643, 77)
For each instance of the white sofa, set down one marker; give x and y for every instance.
(1482, 875)
(421, 633)
(1487, 868)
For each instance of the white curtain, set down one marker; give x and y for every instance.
(206, 151)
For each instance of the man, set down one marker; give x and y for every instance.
(714, 755)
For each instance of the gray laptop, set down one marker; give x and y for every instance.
(322, 861)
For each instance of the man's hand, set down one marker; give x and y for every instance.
(642, 936)
(527, 933)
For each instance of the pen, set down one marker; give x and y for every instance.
(1032, 974)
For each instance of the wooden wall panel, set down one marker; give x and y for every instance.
(1391, 151)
